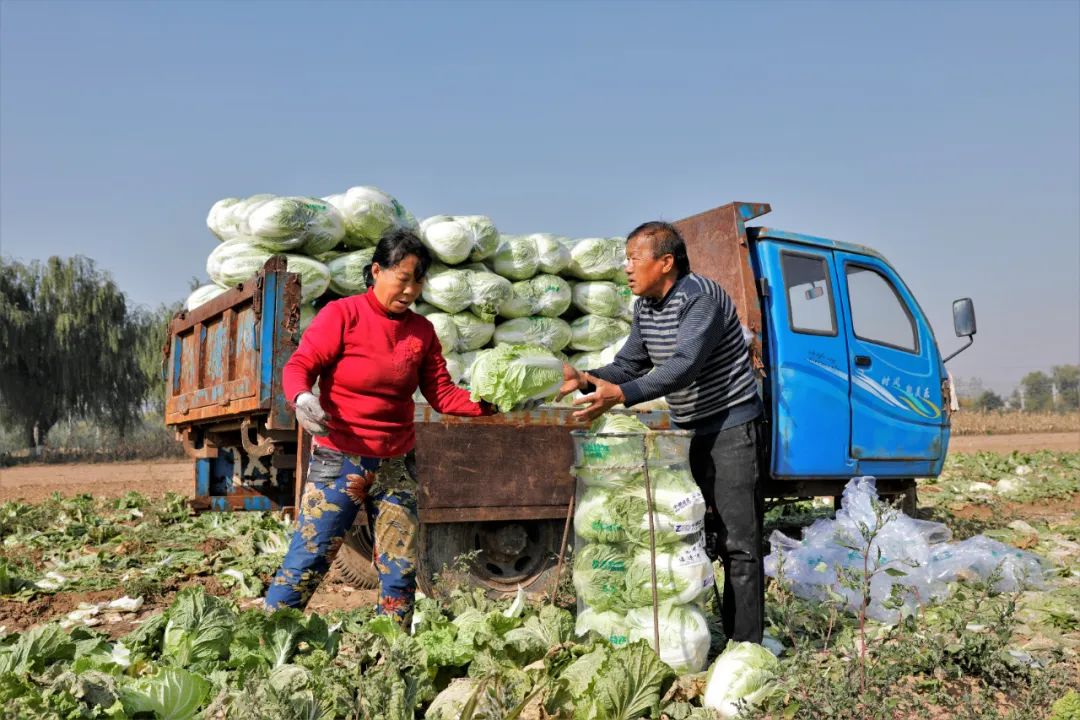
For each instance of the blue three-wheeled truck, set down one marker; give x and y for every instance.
(852, 380)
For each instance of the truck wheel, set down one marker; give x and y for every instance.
(353, 560)
(495, 556)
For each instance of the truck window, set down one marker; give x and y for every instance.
(878, 313)
(810, 298)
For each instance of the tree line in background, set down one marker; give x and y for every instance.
(1058, 391)
(73, 349)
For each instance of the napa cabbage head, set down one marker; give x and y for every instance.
(489, 293)
(587, 360)
(368, 214)
(598, 517)
(744, 675)
(612, 423)
(678, 506)
(683, 574)
(307, 314)
(516, 257)
(485, 236)
(457, 238)
(473, 333)
(228, 217)
(306, 224)
(314, 276)
(467, 360)
(608, 624)
(508, 375)
(551, 333)
(600, 575)
(235, 261)
(597, 258)
(552, 252)
(544, 295)
(202, 295)
(347, 271)
(684, 635)
(445, 329)
(221, 220)
(425, 309)
(593, 332)
(620, 450)
(447, 289)
(599, 297)
(454, 365)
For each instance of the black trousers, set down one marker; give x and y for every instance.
(726, 466)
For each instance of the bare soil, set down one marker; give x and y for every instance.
(33, 483)
(1024, 442)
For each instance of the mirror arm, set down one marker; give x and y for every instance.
(970, 342)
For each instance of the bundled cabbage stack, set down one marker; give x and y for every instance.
(489, 288)
(327, 241)
(613, 562)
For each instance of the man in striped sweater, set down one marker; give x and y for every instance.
(686, 344)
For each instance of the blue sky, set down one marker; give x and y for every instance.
(945, 135)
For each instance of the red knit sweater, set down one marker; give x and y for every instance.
(369, 363)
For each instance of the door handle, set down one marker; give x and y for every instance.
(862, 361)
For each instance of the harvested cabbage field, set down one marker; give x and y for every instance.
(132, 607)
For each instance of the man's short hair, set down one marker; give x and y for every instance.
(666, 240)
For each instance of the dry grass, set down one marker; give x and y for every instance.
(969, 422)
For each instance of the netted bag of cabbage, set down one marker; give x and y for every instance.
(622, 514)
(369, 214)
(684, 634)
(489, 292)
(629, 450)
(447, 288)
(594, 332)
(457, 238)
(347, 271)
(517, 257)
(551, 333)
(543, 295)
(597, 258)
(299, 224)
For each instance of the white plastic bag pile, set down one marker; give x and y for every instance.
(916, 557)
(612, 560)
(487, 287)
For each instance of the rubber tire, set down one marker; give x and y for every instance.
(442, 543)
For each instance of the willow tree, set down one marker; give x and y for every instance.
(67, 342)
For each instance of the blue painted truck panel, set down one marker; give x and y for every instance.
(807, 363)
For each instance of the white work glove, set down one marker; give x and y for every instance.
(310, 414)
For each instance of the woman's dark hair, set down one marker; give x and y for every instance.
(666, 240)
(394, 247)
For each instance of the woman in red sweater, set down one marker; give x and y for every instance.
(369, 353)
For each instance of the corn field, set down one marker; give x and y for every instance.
(968, 422)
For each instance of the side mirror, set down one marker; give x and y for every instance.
(963, 320)
(963, 317)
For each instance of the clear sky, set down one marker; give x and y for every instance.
(946, 135)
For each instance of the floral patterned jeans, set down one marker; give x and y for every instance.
(337, 487)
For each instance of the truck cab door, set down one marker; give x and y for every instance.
(897, 421)
(807, 356)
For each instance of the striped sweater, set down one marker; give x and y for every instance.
(688, 347)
